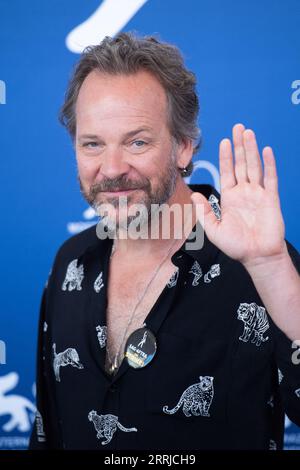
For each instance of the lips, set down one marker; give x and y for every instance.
(120, 190)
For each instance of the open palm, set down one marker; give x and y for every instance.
(251, 226)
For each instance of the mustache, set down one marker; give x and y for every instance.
(121, 183)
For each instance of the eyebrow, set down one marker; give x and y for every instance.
(126, 136)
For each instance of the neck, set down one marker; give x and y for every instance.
(163, 231)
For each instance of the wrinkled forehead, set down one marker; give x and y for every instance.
(121, 99)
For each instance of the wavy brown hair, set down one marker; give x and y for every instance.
(127, 54)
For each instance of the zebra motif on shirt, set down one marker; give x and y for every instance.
(213, 272)
(197, 272)
(106, 426)
(69, 357)
(98, 284)
(196, 399)
(255, 323)
(74, 276)
(101, 335)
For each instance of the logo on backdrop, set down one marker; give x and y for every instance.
(296, 94)
(291, 438)
(109, 18)
(2, 92)
(17, 411)
(90, 218)
(2, 352)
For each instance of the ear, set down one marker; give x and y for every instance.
(184, 152)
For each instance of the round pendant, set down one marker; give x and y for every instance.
(140, 348)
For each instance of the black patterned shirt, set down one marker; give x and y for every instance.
(222, 377)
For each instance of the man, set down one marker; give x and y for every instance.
(146, 343)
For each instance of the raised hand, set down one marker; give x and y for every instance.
(251, 228)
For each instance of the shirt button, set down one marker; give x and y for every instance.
(113, 388)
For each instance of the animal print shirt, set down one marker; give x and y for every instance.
(222, 377)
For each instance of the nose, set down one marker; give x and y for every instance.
(113, 163)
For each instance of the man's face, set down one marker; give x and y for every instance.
(123, 144)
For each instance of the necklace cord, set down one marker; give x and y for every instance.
(115, 363)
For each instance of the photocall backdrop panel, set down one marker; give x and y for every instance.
(246, 58)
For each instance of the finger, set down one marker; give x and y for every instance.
(253, 161)
(240, 167)
(270, 173)
(227, 175)
(205, 214)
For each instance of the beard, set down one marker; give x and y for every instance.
(151, 195)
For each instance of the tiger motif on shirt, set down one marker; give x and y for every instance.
(255, 323)
(213, 272)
